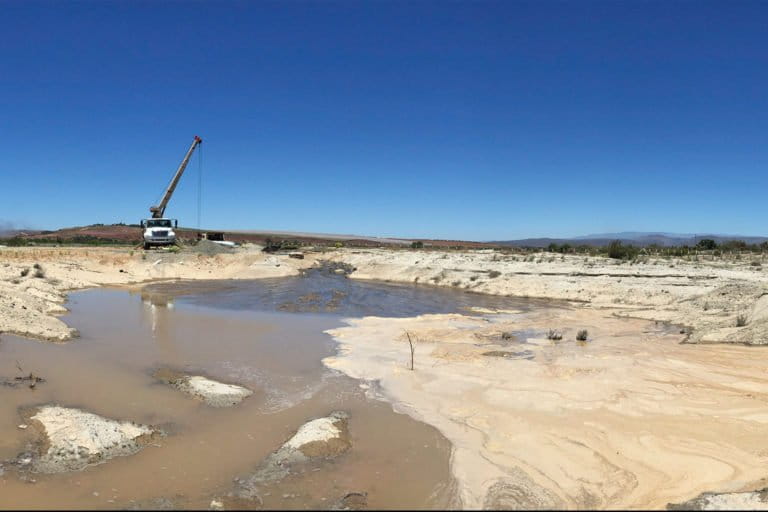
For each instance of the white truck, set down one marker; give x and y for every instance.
(158, 230)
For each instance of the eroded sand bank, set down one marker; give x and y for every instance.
(706, 296)
(628, 419)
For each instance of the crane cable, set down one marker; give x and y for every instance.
(199, 183)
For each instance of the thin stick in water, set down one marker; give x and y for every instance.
(411, 344)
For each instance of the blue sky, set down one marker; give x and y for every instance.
(472, 120)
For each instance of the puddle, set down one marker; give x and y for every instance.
(510, 354)
(324, 293)
(235, 332)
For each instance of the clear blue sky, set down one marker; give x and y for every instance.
(472, 120)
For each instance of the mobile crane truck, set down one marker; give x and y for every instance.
(158, 231)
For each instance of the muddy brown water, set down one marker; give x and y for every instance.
(266, 335)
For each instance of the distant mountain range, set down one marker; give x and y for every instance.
(637, 238)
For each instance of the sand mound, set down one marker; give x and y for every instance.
(323, 437)
(209, 248)
(756, 500)
(213, 393)
(316, 440)
(71, 439)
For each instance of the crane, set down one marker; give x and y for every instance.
(158, 230)
(159, 210)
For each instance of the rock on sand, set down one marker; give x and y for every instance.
(322, 438)
(755, 500)
(213, 393)
(71, 439)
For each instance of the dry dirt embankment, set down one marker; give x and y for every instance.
(705, 296)
(34, 281)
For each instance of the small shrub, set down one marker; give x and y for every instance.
(754, 263)
(16, 241)
(507, 335)
(417, 244)
(39, 272)
(493, 274)
(24, 272)
(582, 335)
(554, 335)
(706, 244)
(619, 251)
(741, 320)
(271, 246)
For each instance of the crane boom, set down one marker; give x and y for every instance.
(159, 210)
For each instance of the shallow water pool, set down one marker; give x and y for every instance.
(266, 335)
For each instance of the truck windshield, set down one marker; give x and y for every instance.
(158, 223)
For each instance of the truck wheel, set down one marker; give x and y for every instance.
(146, 246)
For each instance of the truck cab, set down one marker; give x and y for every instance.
(159, 232)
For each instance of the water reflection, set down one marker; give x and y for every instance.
(157, 308)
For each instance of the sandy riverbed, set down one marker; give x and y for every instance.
(631, 418)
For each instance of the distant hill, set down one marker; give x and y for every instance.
(632, 237)
(127, 234)
(132, 233)
(11, 232)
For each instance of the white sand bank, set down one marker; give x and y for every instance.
(707, 296)
(629, 419)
